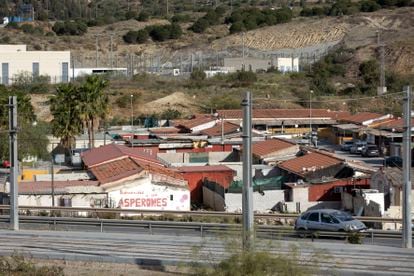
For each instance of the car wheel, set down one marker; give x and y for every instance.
(301, 233)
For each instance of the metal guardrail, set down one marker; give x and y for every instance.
(200, 228)
(182, 213)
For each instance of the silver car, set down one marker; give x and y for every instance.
(328, 220)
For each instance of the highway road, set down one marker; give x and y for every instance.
(162, 250)
(392, 239)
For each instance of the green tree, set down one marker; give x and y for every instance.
(369, 71)
(200, 25)
(142, 36)
(130, 37)
(65, 109)
(93, 104)
(175, 31)
(143, 16)
(31, 139)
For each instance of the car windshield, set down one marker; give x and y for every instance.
(342, 216)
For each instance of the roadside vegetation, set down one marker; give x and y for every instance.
(29, 127)
(21, 266)
(77, 106)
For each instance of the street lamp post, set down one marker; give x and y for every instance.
(310, 112)
(132, 112)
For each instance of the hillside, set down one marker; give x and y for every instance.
(304, 35)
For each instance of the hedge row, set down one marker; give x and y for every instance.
(252, 18)
(156, 32)
(346, 7)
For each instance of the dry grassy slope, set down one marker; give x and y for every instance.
(357, 32)
(396, 28)
(296, 34)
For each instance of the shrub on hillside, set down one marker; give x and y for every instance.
(175, 31)
(130, 14)
(143, 16)
(369, 6)
(178, 18)
(211, 18)
(243, 78)
(130, 37)
(142, 36)
(198, 75)
(70, 28)
(252, 18)
(200, 26)
(159, 33)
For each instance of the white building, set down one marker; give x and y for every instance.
(80, 72)
(16, 60)
(282, 64)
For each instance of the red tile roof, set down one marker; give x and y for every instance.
(41, 187)
(164, 130)
(197, 121)
(280, 113)
(397, 124)
(266, 147)
(110, 152)
(310, 162)
(361, 117)
(212, 168)
(115, 170)
(216, 130)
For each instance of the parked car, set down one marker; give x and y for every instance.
(328, 220)
(346, 146)
(370, 151)
(357, 147)
(6, 164)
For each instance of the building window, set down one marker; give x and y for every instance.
(65, 202)
(5, 73)
(171, 197)
(65, 72)
(35, 69)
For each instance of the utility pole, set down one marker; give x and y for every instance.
(73, 67)
(132, 112)
(247, 203)
(111, 49)
(222, 132)
(310, 112)
(243, 65)
(14, 166)
(382, 89)
(97, 54)
(52, 173)
(167, 8)
(407, 231)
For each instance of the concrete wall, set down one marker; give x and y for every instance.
(184, 157)
(143, 194)
(213, 200)
(78, 200)
(6, 48)
(261, 203)
(287, 64)
(300, 207)
(50, 64)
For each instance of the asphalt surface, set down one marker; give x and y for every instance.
(164, 250)
(371, 161)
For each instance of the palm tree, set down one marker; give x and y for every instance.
(93, 104)
(65, 108)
